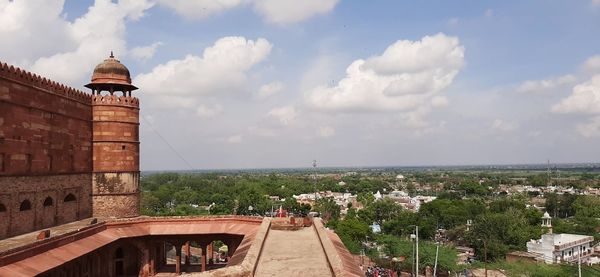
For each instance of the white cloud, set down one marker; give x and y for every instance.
(144, 53)
(407, 76)
(439, 101)
(596, 3)
(27, 26)
(273, 11)
(326, 131)
(291, 11)
(205, 111)
(285, 115)
(590, 129)
(504, 126)
(269, 89)
(585, 98)
(76, 46)
(235, 139)
(592, 64)
(198, 9)
(489, 13)
(547, 84)
(221, 68)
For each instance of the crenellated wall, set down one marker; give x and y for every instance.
(31, 79)
(57, 141)
(45, 152)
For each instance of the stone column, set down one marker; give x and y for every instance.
(187, 255)
(152, 258)
(145, 266)
(177, 258)
(210, 250)
(203, 247)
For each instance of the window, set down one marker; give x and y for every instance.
(25, 205)
(2, 208)
(122, 147)
(50, 160)
(2, 162)
(70, 197)
(48, 201)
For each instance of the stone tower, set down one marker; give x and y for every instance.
(115, 141)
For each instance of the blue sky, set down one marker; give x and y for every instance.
(461, 82)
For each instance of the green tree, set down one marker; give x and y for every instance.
(328, 209)
(352, 232)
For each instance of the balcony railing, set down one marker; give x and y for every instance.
(575, 256)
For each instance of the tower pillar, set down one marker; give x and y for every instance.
(115, 142)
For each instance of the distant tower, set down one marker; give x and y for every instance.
(547, 222)
(116, 150)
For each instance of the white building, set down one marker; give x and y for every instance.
(561, 248)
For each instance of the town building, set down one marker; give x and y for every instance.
(560, 248)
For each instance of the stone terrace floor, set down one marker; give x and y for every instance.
(293, 253)
(24, 239)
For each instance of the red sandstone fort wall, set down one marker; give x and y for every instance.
(45, 128)
(45, 152)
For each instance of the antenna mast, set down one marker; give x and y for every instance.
(315, 179)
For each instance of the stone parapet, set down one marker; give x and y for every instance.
(341, 261)
(114, 100)
(31, 79)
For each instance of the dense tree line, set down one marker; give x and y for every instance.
(502, 223)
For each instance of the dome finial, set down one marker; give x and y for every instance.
(111, 54)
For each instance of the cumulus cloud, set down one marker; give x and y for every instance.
(269, 89)
(291, 11)
(77, 46)
(585, 98)
(504, 126)
(221, 68)
(144, 53)
(406, 77)
(326, 131)
(30, 25)
(285, 115)
(206, 111)
(547, 84)
(197, 9)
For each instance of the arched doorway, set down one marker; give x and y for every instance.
(48, 212)
(69, 208)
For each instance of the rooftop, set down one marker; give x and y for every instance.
(270, 247)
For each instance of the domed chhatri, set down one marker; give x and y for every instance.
(111, 75)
